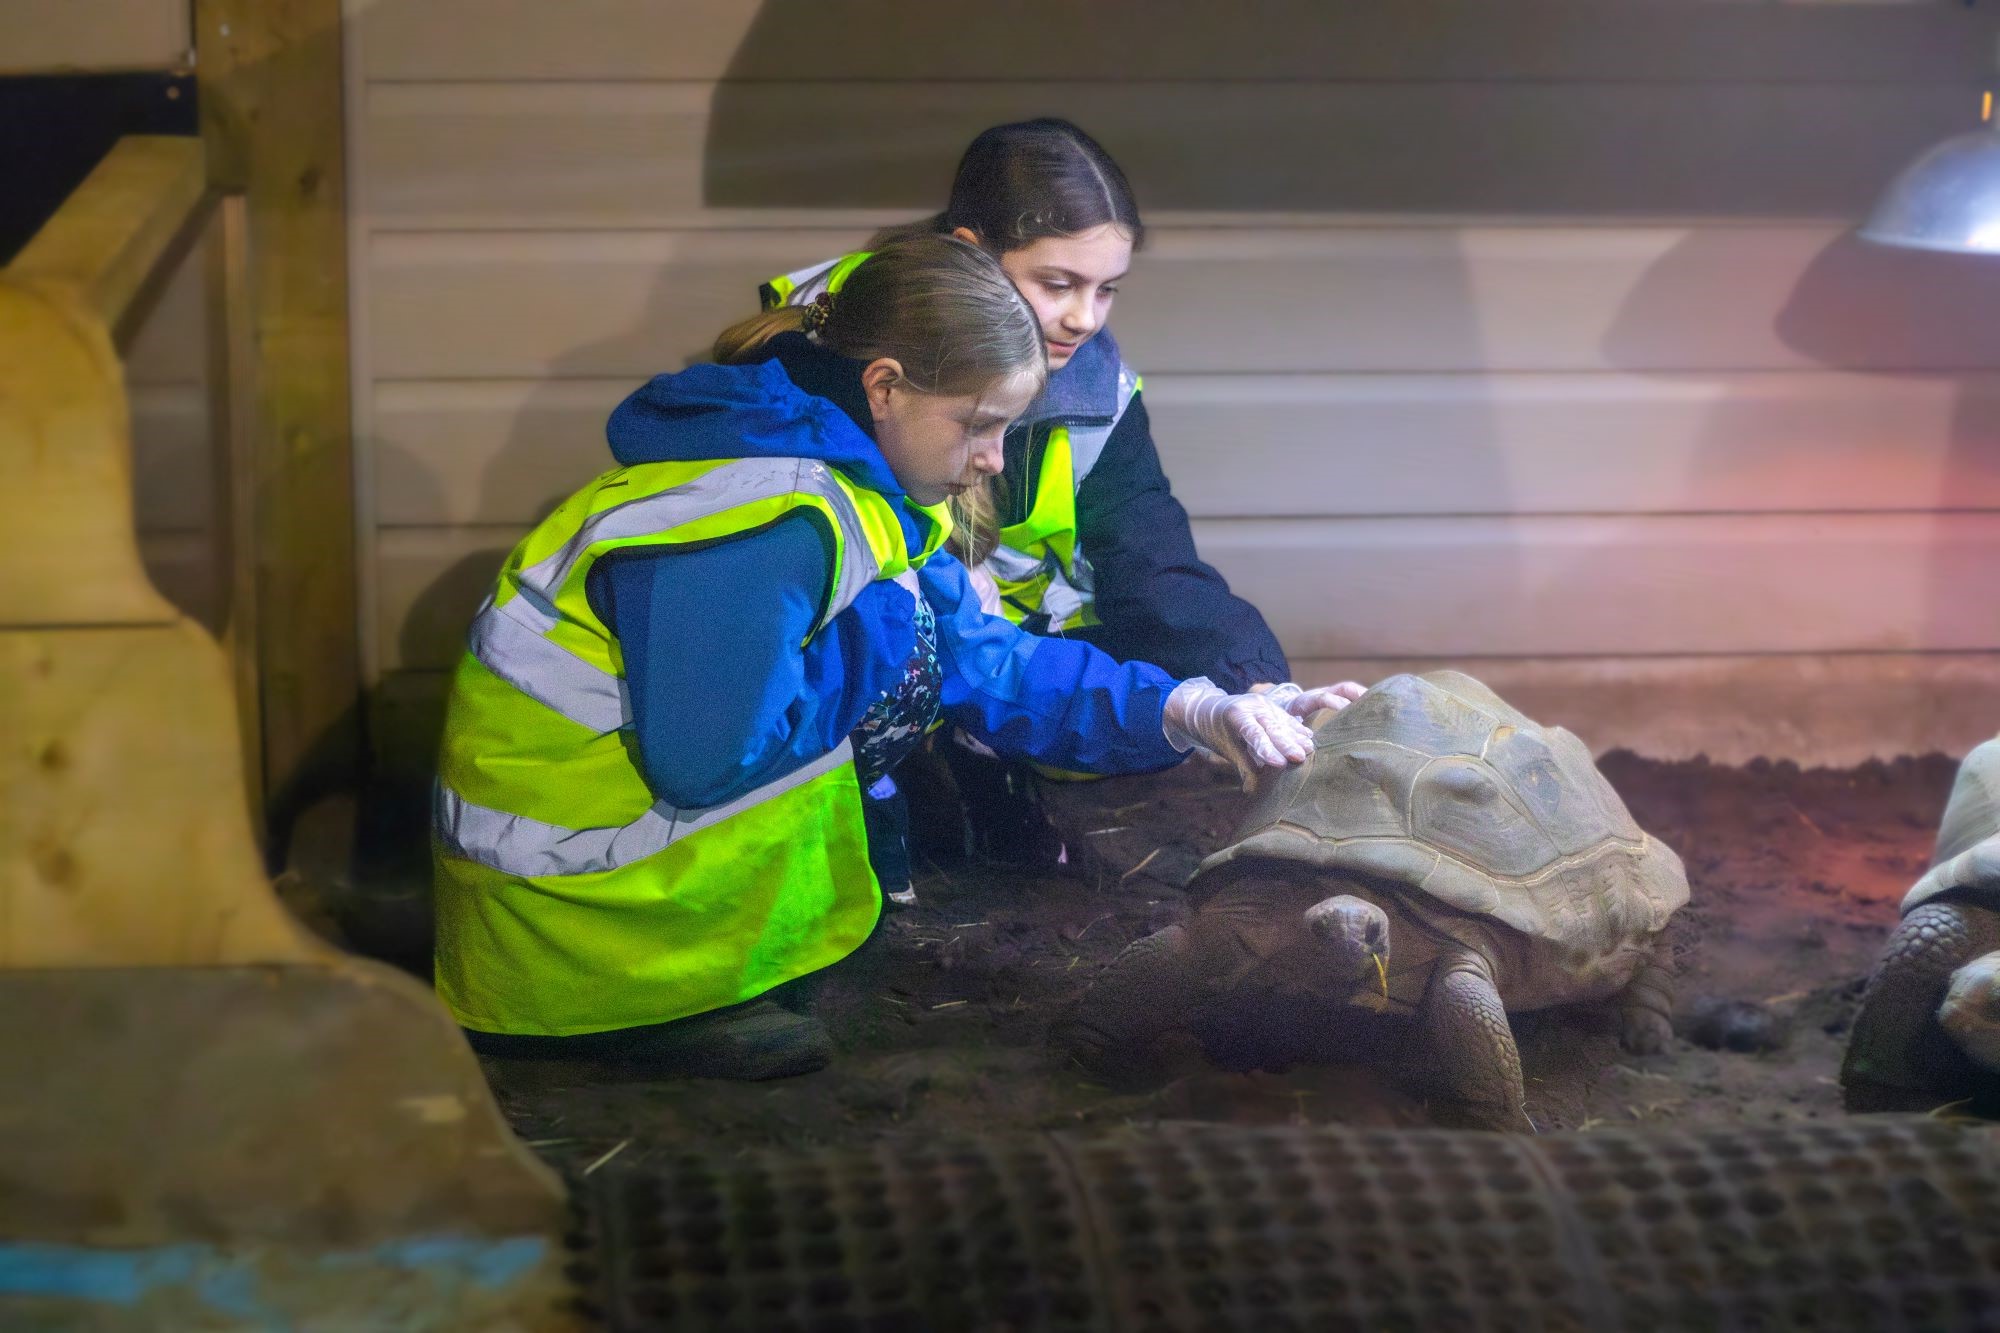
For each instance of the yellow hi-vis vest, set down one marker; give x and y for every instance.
(570, 899)
(1040, 564)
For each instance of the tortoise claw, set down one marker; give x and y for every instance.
(1645, 1032)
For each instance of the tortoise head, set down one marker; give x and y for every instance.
(1355, 933)
(1971, 1010)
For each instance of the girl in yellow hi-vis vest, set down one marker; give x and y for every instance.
(1084, 536)
(648, 810)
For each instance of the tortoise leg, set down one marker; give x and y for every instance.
(1470, 1048)
(1149, 989)
(1646, 1007)
(1898, 1058)
(1970, 1014)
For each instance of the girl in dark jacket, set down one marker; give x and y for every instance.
(1080, 535)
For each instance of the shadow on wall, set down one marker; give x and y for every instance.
(1902, 492)
(1528, 110)
(174, 446)
(1533, 109)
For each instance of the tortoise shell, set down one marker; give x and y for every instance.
(1433, 787)
(1967, 862)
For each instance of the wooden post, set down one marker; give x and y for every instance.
(270, 92)
(213, 1119)
(232, 397)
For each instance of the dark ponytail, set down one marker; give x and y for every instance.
(1019, 183)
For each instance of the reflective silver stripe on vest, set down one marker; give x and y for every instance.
(736, 483)
(1012, 566)
(526, 848)
(512, 640)
(808, 283)
(525, 657)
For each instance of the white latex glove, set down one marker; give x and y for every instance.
(1302, 703)
(1249, 730)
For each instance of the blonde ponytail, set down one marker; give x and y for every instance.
(740, 341)
(975, 523)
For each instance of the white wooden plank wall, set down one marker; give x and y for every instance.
(1528, 335)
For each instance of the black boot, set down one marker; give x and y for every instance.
(752, 1041)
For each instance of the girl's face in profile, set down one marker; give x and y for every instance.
(1070, 282)
(941, 445)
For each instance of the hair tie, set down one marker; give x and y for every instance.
(818, 311)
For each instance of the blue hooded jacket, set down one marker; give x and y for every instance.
(724, 699)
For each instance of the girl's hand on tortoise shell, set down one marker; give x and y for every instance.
(1302, 703)
(1249, 730)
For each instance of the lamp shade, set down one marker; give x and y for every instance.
(1948, 199)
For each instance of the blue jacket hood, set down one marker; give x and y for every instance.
(752, 411)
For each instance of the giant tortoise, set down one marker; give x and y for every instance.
(1440, 860)
(1929, 1026)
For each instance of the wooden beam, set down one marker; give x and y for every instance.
(123, 231)
(231, 382)
(270, 97)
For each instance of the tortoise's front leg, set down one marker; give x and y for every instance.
(1898, 1058)
(1646, 1007)
(1148, 990)
(1471, 1049)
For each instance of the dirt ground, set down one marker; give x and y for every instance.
(940, 1020)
